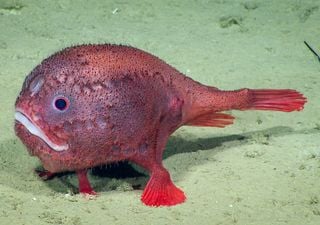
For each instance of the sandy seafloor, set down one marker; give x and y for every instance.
(265, 169)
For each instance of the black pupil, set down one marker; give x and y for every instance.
(61, 104)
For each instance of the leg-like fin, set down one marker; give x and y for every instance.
(160, 190)
(84, 184)
(44, 174)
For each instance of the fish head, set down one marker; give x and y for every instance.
(58, 114)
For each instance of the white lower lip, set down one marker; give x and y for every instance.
(35, 130)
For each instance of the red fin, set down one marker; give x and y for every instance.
(44, 174)
(212, 120)
(160, 191)
(285, 100)
(84, 184)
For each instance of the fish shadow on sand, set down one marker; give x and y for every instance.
(124, 174)
(178, 145)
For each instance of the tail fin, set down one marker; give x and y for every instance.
(206, 104)
(285, 100)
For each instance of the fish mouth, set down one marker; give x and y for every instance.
(35, 130)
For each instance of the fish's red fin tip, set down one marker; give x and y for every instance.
(285, 100)
(84, 184)
(86, 192)
(212, 120)
(166, 194)
(89, 194)
(44, 174)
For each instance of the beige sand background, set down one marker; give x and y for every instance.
(264, 169)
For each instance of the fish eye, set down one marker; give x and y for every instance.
(61, 103)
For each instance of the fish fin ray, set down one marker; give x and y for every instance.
(212, 120)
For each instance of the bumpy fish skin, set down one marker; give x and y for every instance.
(89, 105)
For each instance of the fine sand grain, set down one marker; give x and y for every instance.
(263, 170)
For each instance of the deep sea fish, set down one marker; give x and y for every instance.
(91, 105)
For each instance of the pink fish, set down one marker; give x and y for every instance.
(90, 105)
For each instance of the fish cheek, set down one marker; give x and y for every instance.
(81, 121)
